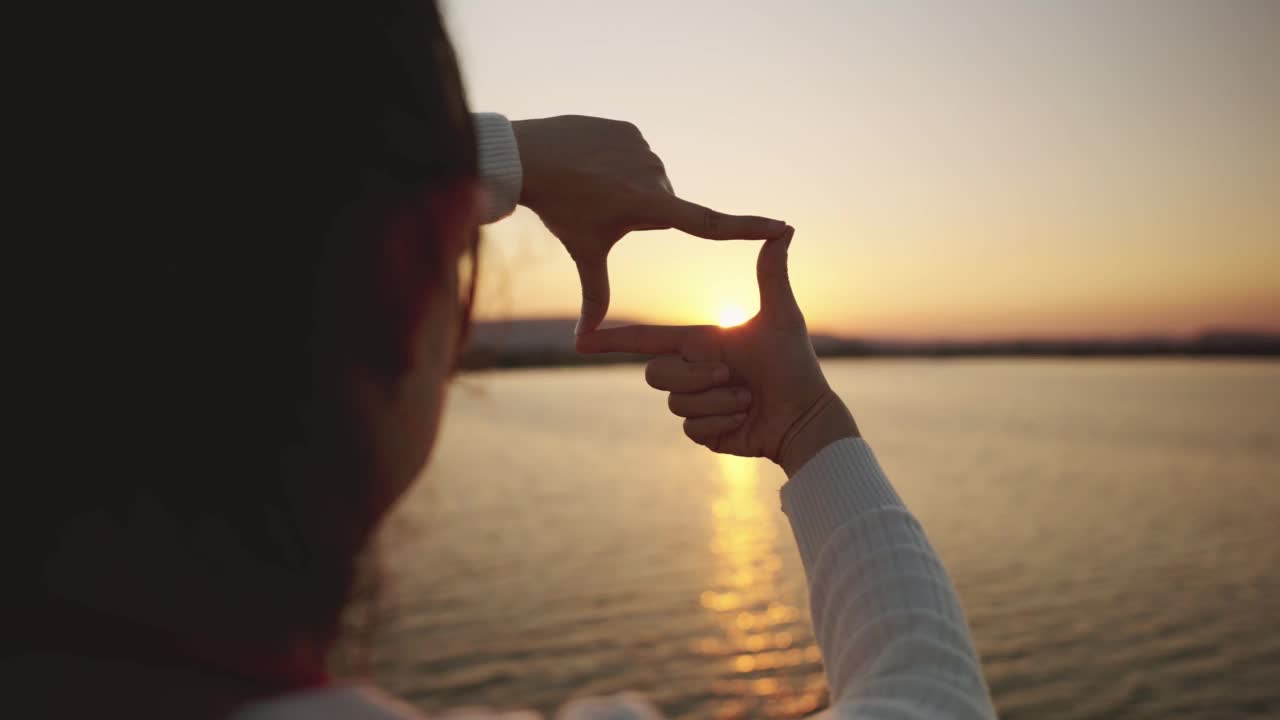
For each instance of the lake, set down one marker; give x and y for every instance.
(1113, 528)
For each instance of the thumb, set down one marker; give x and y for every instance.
(593, 272)
(776, 298)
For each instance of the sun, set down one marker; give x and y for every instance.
(731, 315)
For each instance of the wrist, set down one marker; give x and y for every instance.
(523, 131)
(826, 421)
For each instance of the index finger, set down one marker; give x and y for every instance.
(643, 339)
(692, 218)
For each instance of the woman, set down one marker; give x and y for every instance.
(270, 357)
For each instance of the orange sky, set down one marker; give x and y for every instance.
(971, 169)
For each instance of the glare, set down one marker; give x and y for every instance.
(731, 315)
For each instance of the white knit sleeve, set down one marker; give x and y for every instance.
(893, 636)
(500, 171)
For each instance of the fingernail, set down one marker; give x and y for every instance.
(577, 327)
(720, 374)
(777, 227)
(744, 395)
(786, 239)
(739, 417)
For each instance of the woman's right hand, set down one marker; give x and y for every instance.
(787, 412)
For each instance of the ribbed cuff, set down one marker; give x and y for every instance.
(839, 483)
(500, 169)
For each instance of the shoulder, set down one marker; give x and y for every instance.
(343, 702)
(363, 702)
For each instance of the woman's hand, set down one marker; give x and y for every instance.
(769, 399)
(592, 181)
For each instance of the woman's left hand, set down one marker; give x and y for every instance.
(593, 180)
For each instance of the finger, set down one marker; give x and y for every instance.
(644, 339)
(716, 401)
(675, 374)
(776, 297)
(707, 430)
(671, 211)
(594, 276)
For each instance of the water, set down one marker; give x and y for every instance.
(1113, 528)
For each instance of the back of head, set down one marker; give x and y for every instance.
(218, 181)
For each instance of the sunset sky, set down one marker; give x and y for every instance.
(952, 169)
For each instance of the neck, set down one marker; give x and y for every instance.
(112, 661)
(116, 687)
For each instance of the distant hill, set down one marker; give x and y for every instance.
(533, 342)
(540, 334)
(537, 342)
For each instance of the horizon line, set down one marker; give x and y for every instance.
(1265, 331)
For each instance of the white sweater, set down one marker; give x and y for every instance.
(499, 159)
(893, 636)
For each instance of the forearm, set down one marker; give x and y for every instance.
(892, 633)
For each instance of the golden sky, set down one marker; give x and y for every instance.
(976, 169)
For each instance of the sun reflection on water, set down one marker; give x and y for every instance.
(757, 626)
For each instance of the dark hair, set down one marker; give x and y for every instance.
(239, 169)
